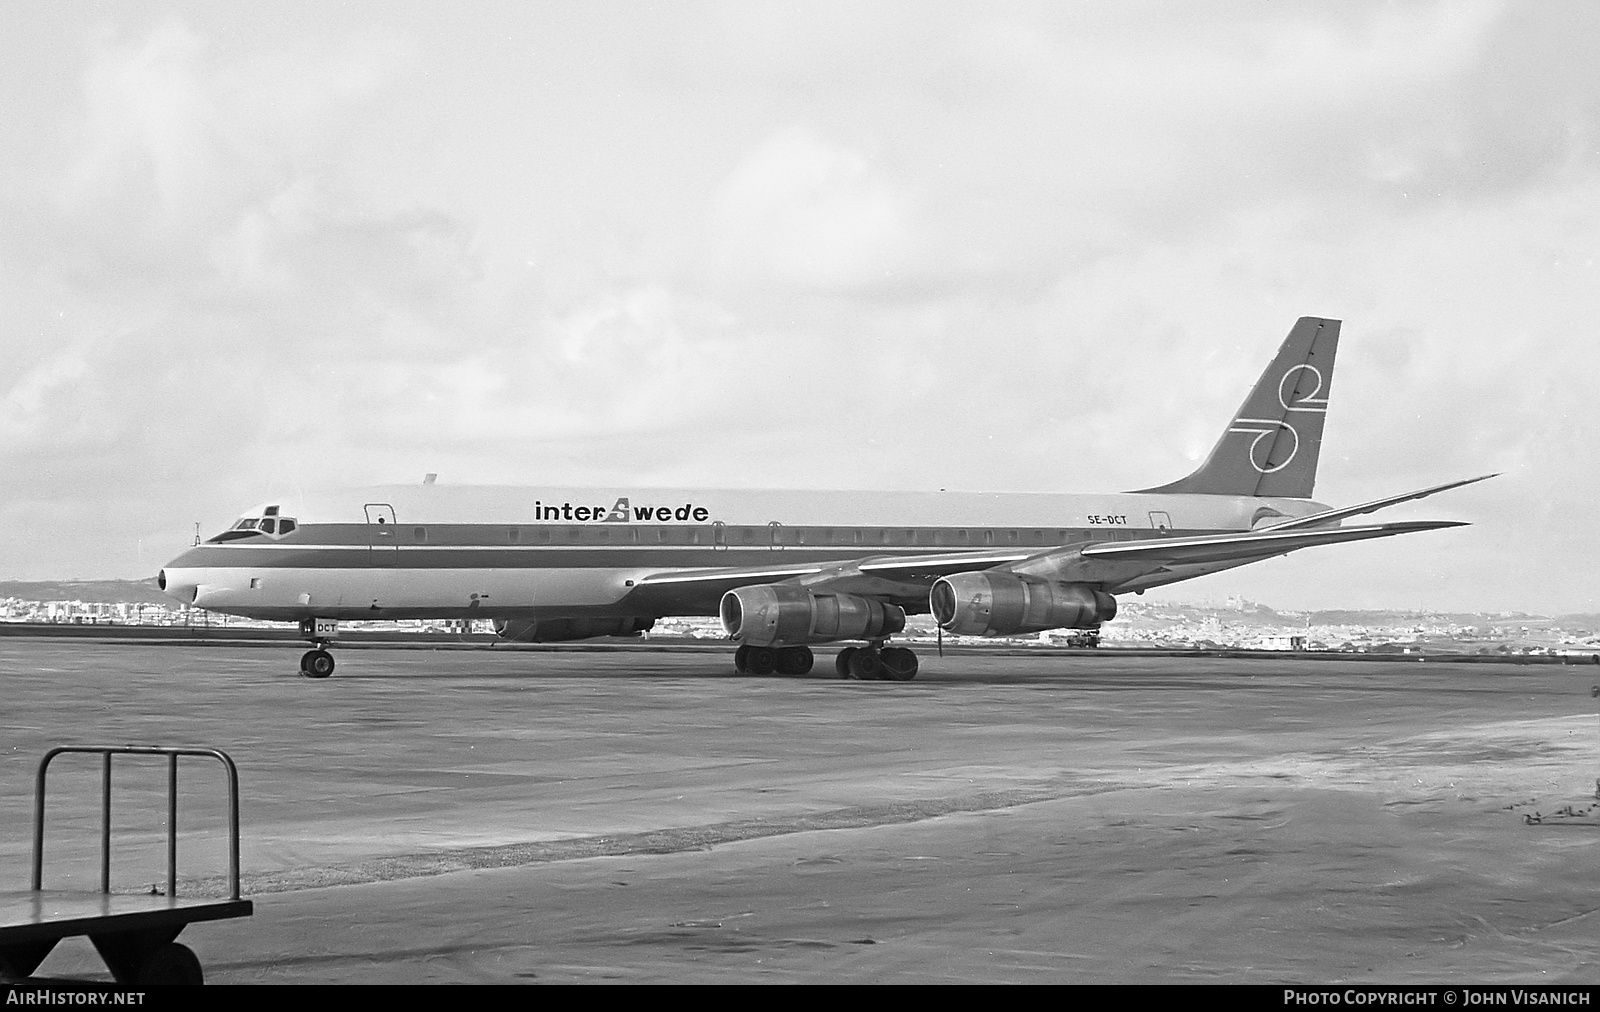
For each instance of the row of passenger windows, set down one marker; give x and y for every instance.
(761, 537)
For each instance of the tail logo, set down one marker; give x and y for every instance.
(1290, 400)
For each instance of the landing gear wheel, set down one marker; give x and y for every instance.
(841, 663)
(741, 659)
(866, 665)
(173, 963)
(795, 660)
(761, 661)
(899, 664)
(316, 664)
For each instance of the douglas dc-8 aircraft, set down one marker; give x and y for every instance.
(785, 570)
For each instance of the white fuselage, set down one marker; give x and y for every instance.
(432, 551)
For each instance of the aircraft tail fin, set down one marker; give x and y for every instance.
(1270, 447)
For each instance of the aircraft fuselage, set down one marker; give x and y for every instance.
(432, 551)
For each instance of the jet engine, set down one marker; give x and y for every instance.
(554, 630)
(1003, 604)
(778, 615)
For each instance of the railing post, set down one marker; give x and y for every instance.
(105, 825)
(172, 825)
(233, 819)
(38, 823)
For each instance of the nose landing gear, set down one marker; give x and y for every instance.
(317, 662)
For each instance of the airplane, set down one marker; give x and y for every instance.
(787, 570)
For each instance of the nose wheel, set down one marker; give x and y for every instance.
(316, 663)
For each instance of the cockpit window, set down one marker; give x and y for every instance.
(249, 527)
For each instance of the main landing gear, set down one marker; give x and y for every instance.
(870, 663)
(876, 663)
(749, 660)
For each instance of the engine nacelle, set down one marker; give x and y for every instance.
(1004, 604)
(781, 615)
(555, 630)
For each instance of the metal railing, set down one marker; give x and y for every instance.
(172, 754)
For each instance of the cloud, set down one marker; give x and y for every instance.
(1034, 247)
(806, 212)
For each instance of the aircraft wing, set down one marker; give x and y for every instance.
(1245, 546)
(902, 579)
(882, 565)
(1248, 546)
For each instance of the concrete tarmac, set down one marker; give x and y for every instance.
(465, 816)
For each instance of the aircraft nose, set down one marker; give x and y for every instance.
(173, 586)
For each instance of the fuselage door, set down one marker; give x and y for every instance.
(719, 536)
(383, 542)
(777, 535)
(1160, 521)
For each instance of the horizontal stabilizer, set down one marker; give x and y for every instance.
(1332, 516)
(1249, 546)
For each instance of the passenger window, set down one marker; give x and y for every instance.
(749, 535)
(514, 535)
(419, 533)
(542, 535)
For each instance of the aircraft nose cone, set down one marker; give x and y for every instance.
(176, 587)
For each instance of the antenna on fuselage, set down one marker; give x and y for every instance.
(429, 478)
(197, 532)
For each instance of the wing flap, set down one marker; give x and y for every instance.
(1251, 545)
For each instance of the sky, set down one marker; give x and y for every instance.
(247, 249)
